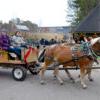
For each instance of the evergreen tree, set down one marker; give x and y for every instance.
(80, 9)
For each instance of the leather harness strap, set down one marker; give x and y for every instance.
(72, 60)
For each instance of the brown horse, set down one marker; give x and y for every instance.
(59, 54)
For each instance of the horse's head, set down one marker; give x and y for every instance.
(96, 44)
(95, 40)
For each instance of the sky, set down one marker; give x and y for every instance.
(41, 12)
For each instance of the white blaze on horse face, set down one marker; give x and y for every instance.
(93, 41)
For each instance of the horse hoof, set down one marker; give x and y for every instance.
(84, 87)
(72, 80)
(61, 83)
(42, 82)
(91, 80)
(78, 76)
(54, 77)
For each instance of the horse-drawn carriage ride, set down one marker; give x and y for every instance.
(72, 56)
(54, 55)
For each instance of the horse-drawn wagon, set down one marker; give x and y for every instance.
(54, 56)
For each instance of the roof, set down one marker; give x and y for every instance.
(22, 27)
(91, 23)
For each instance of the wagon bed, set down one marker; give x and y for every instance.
(19, 67)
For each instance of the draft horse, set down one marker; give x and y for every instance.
(59, 54)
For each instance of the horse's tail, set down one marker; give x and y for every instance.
(41, 55)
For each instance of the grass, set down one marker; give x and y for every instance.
(48, 36)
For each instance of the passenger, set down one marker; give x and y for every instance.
(17, 43)
(4, 41)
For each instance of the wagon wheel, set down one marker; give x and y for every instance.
(19, 73)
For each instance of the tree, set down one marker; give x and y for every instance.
(81, 9)
(11, 26)
(33, 27)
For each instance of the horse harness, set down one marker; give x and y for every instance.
(74, 59)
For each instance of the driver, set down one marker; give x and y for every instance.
(17, 43)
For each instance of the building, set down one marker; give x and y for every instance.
(91, 23)
(57, 29)
(22, 28)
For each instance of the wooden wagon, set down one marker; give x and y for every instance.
(19, 67)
